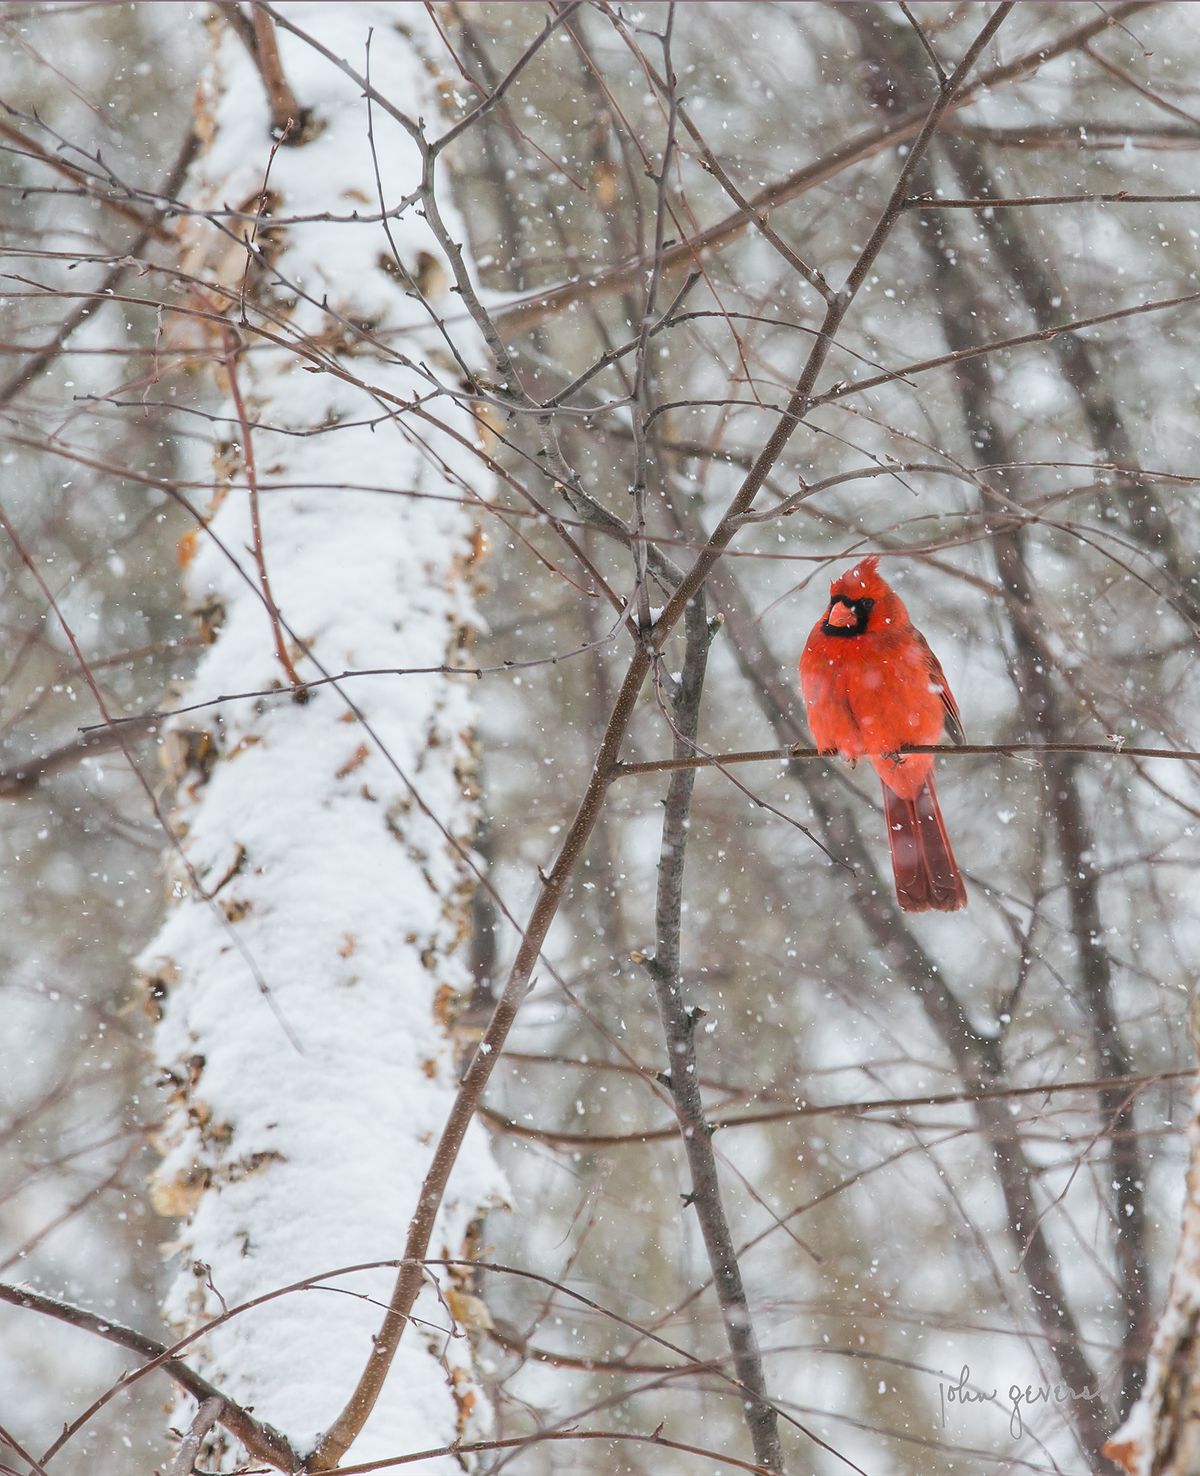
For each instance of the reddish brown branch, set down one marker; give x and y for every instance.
(963, 750)
(525, 1442)
(281, 651)
(262, 1441)
(285, 110)
(23, 778)
(718, 1123)
(257, 35)
(1117, 197)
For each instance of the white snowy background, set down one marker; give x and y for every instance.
(879, 1258)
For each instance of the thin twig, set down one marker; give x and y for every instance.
(926, 44)
(641, 384)
(995, 345)
(12, 1442)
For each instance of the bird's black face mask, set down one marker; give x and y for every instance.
(846, 617)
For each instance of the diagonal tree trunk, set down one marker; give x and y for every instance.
(306, 975)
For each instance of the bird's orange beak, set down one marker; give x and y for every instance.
(841, 615)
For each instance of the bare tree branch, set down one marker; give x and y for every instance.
(1114, 748)
(260, 1440)
(679, 1023)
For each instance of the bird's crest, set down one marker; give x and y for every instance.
(861, 582)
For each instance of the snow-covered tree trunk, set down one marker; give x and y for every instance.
(1161, 1437)
(307, 969)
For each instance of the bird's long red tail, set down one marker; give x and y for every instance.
(927, 875)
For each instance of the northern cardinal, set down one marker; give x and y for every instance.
(872, 686)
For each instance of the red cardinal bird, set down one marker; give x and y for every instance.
(872, 685)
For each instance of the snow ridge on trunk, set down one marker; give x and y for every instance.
(1161, 1436)
(323, 872)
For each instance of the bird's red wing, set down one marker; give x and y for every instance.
(953, 721)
